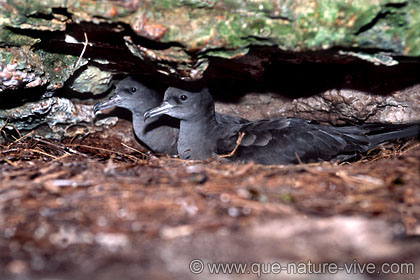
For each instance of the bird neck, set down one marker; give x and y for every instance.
(208, 118)
(196, 137)
(139, 124)
(204, 115)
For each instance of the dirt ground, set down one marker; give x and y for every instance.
(99, 208)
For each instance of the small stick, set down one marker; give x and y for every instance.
(18, 132)
(62, 157)
(83, 52)
(105, 150)
(65, 149)
(238, 142)
(40, 152)
(133, 149)
(410, 148)
(14, 164)
(298, 158)
(4, 124)
(9, 151)
(22, 137)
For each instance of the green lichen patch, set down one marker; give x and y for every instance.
(58, 67)
(8, 38)
(411, 36)
(218, 27)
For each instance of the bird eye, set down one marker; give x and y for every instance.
(183, 97)
(133, 89)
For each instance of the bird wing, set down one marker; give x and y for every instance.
(290, 140)
(229, 119)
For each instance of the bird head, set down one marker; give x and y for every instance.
(132, 95)
(184, 105)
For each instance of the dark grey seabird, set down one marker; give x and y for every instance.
(272, 141)
(159, 134)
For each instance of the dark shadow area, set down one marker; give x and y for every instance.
(14, 98)
(121, 113)
(294, 76)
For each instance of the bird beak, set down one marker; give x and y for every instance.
(113, 101)
(157, 111)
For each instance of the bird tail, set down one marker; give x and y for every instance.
(388, 132)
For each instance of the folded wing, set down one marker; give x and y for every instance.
(290, 140)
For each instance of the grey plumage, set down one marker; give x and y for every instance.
(159, 134)
(274, 141)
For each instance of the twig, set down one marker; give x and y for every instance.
(238, 142)
(20, 138)
(82, 53)
(18, 132)
(9, 150)
(410, 148)
(4, 124)
(50, 176)
(40, 152)
(64, 156)
(20, 135)
(23, 137)
(298, 158)
(14, 164)
(65, 149)
(105, 150)
(133, 149)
